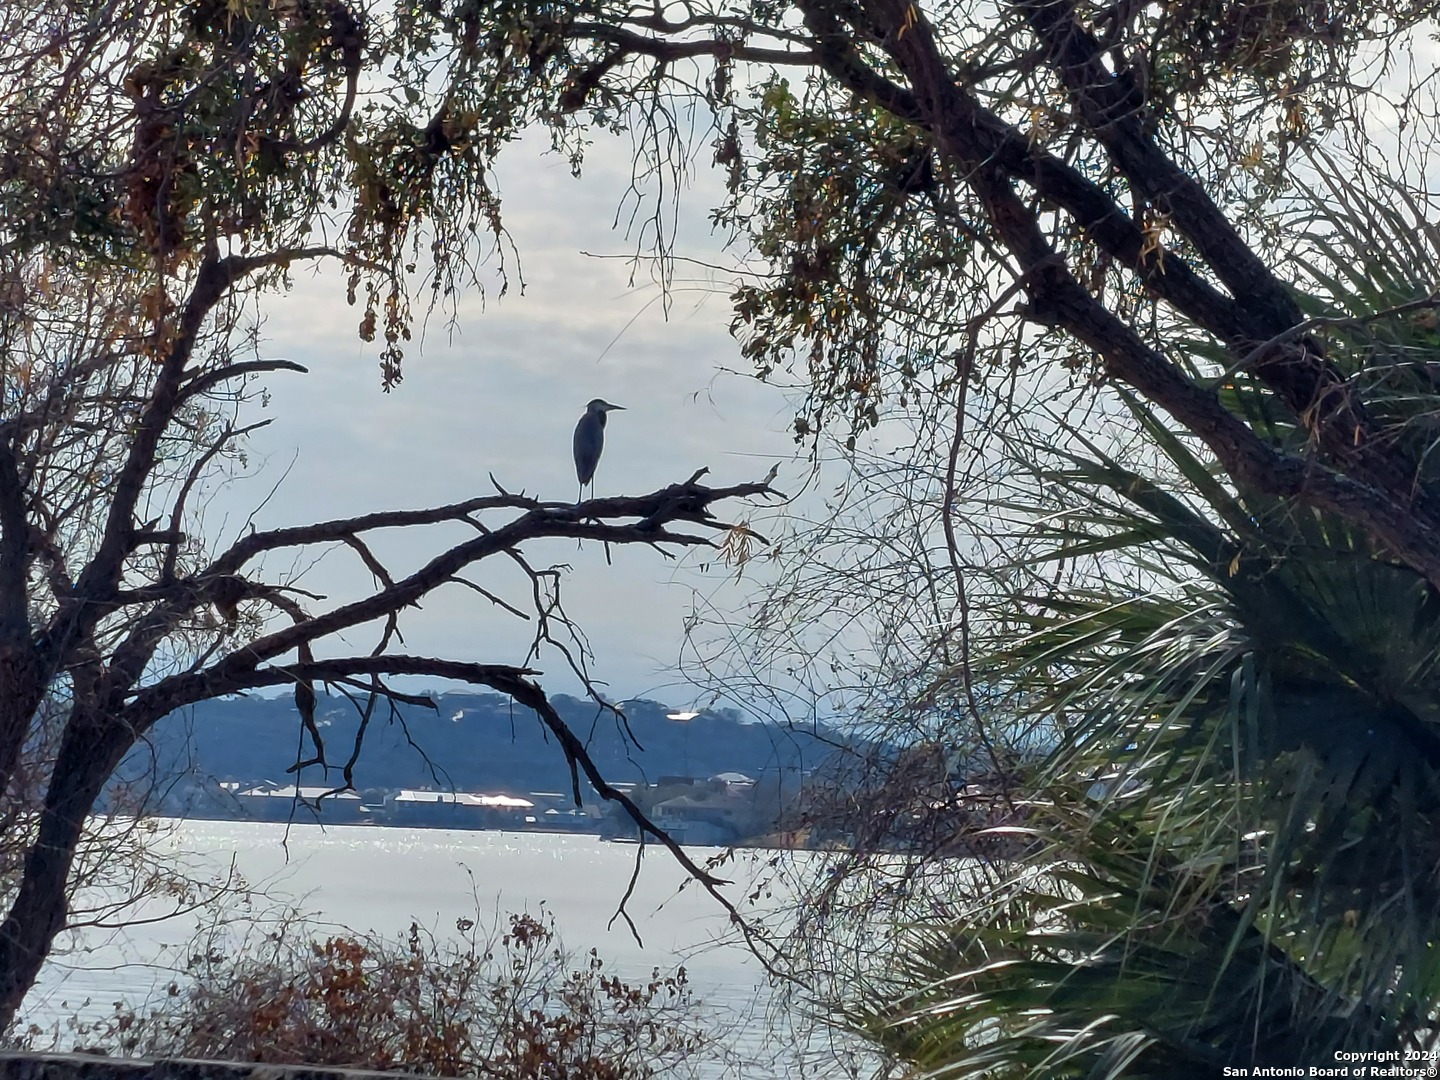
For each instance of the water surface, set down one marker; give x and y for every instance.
(381, 879)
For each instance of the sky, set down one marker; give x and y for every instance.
(500, 395)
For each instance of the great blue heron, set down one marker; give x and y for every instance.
(590, 440)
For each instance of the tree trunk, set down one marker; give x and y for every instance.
(89, 749)
(22, 691)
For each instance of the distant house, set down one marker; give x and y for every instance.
(710, 816)
(733, 779)
(274, 802)
(456, 810)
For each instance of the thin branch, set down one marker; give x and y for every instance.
(497, 601)
(178, 512)
(208, 380)
(666, 52)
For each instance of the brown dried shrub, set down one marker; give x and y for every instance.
(514, 1004)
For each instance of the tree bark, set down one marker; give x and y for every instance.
(22, 668)
(22, 690)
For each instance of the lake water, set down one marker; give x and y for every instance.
(379, 880)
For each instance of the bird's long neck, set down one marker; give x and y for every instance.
(600, 416)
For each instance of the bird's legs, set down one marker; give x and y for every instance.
(579, 498)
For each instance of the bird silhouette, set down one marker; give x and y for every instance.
(590, 440)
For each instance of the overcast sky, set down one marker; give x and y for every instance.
(502, 395)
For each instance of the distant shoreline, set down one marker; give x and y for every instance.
(307, 816)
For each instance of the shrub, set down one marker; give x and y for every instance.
(514, 1004)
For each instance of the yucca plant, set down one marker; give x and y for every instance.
(1237, 831)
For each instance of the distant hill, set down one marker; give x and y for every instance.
(473, 742)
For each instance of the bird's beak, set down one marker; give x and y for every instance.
(609, 407)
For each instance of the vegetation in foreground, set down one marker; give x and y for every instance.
(515, 1004)
(1222, 715)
